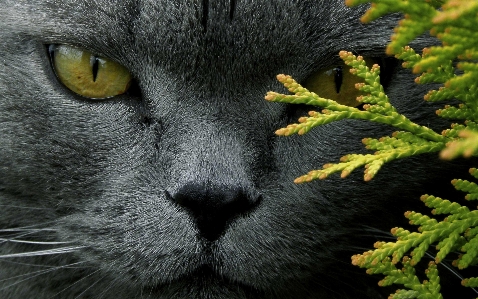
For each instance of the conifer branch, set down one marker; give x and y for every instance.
(454, 65)
(455, 26)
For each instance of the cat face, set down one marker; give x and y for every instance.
(179, 188)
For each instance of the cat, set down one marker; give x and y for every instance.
(175, 185)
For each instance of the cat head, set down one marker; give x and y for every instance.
(179, 188)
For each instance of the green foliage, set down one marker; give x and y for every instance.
(458, 231)
(452, 64)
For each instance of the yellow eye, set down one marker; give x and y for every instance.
(336, 83)
(88, 75)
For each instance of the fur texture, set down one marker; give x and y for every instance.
(120, 185)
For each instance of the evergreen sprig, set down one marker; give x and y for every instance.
(458, 232)
(452, 64)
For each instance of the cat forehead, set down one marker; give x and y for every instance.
(157, 19)
(197, 11)
(174, 25)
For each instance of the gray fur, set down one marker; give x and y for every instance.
(94, 174)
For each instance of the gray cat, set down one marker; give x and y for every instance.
(173, 185)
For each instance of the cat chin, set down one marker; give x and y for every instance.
(207, 283)
(206, 270)
(204, 282)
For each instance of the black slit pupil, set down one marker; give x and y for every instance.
(231, 9)
(51, 51)
(338, 78)
(95, 66)
(205, 12)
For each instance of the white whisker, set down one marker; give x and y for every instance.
(453, 271)
(36, 227)
(53, 268)
(92, 285)
(36, 265)
(26, 229)
(12, 239)
(61, 250)
(22, 232)
(30, 208)
(2, 240)
(75, 283)
(105, 291)
(33, 276)
(18, 233)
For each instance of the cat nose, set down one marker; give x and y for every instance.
(215, 207)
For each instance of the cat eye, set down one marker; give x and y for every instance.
(336, 83)
(89, 75)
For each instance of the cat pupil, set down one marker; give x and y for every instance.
(338, 78)
(51, 51)
(94, 62)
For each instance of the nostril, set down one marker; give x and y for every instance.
(214, 207)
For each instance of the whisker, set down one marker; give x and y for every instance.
(33, 276)
(114, 281)
(34, 265)
(359, 249)
(22, 233)
(374, 232)
(3, 240)
(36, 227)
(28, 231)
(453, 271)
(105, 291)
(61, 250)
(30, 208)
(76, 283)
(54, 268)
(92, 285)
